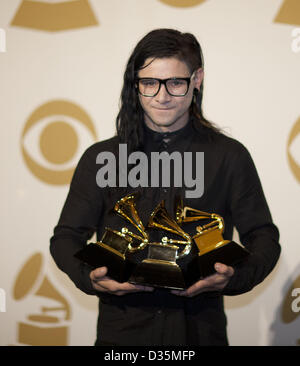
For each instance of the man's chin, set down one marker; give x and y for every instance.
(162, 124)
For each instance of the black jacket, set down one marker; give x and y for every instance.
(231, 188)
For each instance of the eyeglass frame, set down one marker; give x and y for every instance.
(164, 82)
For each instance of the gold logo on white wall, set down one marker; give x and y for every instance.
(182, 3)
(294, 165)
(289, 13)
(54, 15)
(49, 326)
(55, 125)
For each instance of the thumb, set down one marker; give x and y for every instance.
(223, 269)
(98, 273)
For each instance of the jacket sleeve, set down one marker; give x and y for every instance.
(78, 222)
(253, 221)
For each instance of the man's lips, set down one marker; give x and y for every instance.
(163, 109)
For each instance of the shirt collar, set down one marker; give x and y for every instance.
(170, 137)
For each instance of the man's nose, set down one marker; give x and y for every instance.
(163, 96)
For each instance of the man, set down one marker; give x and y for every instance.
(162, 111)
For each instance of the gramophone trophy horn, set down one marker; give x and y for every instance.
(126, 208)
(161, 219)
(212, 247)
(113, 250)
(178, 209)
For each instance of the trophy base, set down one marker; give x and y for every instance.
(230, 253)
(98, 255)
(158, 273)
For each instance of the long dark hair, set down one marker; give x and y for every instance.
(159, 43)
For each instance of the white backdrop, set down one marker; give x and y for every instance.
(61, 69)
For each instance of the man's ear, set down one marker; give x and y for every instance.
(198, 78)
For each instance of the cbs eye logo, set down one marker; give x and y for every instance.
(53, 139)
(182, 3)
(293, 150)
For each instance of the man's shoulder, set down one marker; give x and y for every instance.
(231, 143)
(90, 154)
(101, 146)
(223, 143)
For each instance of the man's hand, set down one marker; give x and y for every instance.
(215, 282)
(102, 283)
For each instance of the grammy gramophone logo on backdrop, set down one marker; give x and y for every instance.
(48, 324)
(2, 40)
(293, 150)
(54, 15)
(289, 13)
(182, 3)
(53, 139)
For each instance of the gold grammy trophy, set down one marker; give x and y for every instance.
(211, 245)
(160, 268)
(169, 263)
(116, 248)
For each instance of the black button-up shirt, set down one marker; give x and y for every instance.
(231, 188)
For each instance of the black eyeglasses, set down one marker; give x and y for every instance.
(176, 87)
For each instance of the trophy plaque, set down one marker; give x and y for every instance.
(115, 247)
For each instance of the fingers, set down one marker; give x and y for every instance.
(98, 273)
(126, 287)
(119, 289)
(103, 283)
(215, 282)
(144, 288)
(224, 270)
